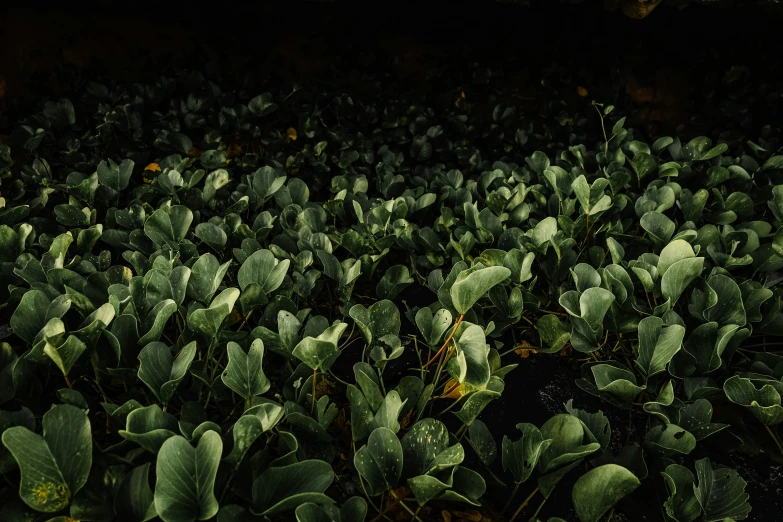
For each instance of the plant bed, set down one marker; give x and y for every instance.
(356, 298)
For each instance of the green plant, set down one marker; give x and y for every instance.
(238, 337)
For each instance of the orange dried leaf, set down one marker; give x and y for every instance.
(153, 167)
(290, 134)
(581, 91)
(406, 420)
(469, 516)
(194, 152)
(452, 390)
(446, 516)
(525, 352)
(233, 150)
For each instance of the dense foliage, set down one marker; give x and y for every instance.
(236, 304)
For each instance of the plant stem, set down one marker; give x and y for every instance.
(539, 508)
(312, 407)
(448, 339)
(511, 497)
(67, 380)
(405, 507)
(775, 438)
(522, 506)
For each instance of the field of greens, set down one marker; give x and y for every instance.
(244, 300)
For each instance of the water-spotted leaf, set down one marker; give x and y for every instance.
(433, 326)
(520, 457)
(53, 466)
(720, 492)
(380, 461)
(244, 373)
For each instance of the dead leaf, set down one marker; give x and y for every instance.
(581, 91)
(446, 516)
(233, 150)
(452, 390)
(290, 134)
(525, 352)
(460, 99)
(323, 387)
(235, 317)
(406, 419)
(469, 516)
(566, 350)
(153, 167)
(194, 152)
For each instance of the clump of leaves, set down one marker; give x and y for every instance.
(263, 323)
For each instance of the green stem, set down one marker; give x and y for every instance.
(539, 508)
(775, 438)
(405, 507)
(511, 497)
(312, 406)
(522, 506)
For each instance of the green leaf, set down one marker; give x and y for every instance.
(246, 430)
(599, 489)
(134, 499)
(205, 277)
(161, 372)
(380, 461)
(263, 269)
(208, 320)
(283, 488)
(425, 449)
(149, 427)
(567, 449)
(184, 490)
(720, 492)
(678, 276)
(669, 440)
(552, 332)
(244, 373)
(473, 283)
(657, 345)
(114, 176)
(472, 346)
(319, 353)
(521, 457)
(169, 225)
(55, 466)
(382, 318)
(763, 403)
(394, 281)
(681, 505)
(482, 442)
(433, 326)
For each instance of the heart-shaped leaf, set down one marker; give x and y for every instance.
(380, 461)
(161, 372)
(244, 373)
(184, 490)
(54, 466)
